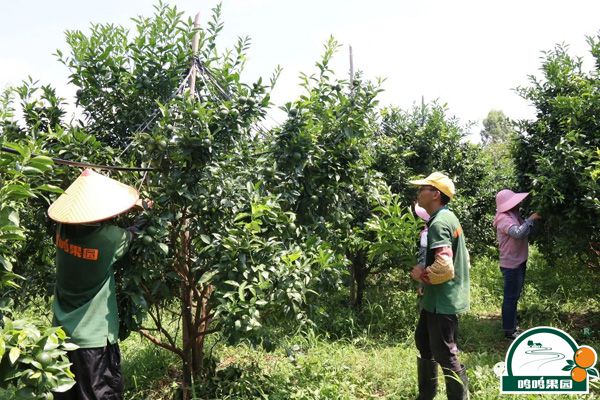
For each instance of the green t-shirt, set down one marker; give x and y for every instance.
(451, 297)
(85, 302)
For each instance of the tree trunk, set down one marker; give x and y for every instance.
(203, 316)
(359, 277)
(187, 315)
(352, 285)
(187, 332)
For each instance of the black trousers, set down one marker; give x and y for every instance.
(435, 338)
(97, 373)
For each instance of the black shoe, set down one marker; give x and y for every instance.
(512, 336)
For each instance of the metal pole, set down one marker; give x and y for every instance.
(351, 69)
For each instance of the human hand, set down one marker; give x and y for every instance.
(535, 216)
(416, 273)
(144, 204)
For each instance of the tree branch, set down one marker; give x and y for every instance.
(157, 342)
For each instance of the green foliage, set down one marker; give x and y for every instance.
(219, 244)
(395, 230)
(32, 359)
(250, 226)
(324, 154)
(372, 354)
(557, 152)
(497, 128)
(426, 139)
(121, 75)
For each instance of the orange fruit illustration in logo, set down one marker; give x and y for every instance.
(578, 374)
(585, 357)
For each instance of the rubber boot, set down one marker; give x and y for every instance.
(427, 373)
(457, 384)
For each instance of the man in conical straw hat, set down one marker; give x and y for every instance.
(85, 303)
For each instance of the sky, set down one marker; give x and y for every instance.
(469, 54)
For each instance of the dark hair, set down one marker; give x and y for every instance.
(444, 198)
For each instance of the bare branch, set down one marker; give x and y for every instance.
(157, 342)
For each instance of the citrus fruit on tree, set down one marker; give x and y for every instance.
(44, 358)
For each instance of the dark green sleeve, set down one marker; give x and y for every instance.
(439, 235)
(121, 239)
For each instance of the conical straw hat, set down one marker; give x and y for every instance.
(92, 198)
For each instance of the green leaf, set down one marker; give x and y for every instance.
(16, 192)
(592, 372)
(241, 291)
(164, 248)
(69, 346)
(42, 163)
(205, 239)
(2, 347)
(207, 276)
(28, 170)
(14, 354)
(64, 385)
(567, 367)
(6, 264)
(50, 188)
(22, 150)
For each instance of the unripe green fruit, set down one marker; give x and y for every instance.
(44, 358)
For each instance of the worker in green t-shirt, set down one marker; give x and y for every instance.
(445, 292)
(85, 304)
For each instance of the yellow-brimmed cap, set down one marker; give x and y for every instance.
(438, 181)
(91, 198)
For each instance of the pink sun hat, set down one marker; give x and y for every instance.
(507, 199)
(420, 211)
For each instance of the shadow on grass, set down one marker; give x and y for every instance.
(149, 370)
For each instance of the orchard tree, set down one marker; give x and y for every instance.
(556, 152)
(324, 151)
(220, 254)
(497, 128)
(33, 358)
(426, 139)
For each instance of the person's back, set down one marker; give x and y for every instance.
(85, 296)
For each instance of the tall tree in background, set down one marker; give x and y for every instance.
(556, 152)
(497, 128)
